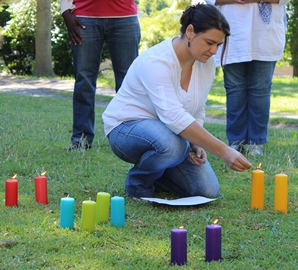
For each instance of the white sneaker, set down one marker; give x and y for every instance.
(255, 149)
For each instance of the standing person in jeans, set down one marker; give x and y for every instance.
(156, 119)
(90, 24)
(257, 41)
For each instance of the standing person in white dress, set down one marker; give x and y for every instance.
(256, 42)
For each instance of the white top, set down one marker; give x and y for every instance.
(66, 4)
(151, 90)
(251, 39)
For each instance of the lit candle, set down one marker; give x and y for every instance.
(281, 193)
(179, 246)
(102, 207)
(41, 190)
(11, 191)
(213, 242)
(88, 216)
(67, 206)
(117, 211)
(257, 189)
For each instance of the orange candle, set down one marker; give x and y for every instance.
(281, 193)
(257, 189)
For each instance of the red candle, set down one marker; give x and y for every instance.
(41, 190)
(11, 192)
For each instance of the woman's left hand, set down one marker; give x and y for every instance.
(197, 156)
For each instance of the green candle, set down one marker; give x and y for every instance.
(88, 216)
(102, 207)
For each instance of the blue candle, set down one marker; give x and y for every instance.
(102, 207)
(117, 211)
(67, 212)
(179, 246)
(213, 242)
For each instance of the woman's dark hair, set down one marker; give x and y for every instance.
(204, 17)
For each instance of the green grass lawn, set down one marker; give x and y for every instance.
(34, 132)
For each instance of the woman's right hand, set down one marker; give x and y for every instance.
(235, 160)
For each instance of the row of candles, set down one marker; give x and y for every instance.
(11, 190)
(257, 191)
(96, 212)
(212, 244)
(93, 212)
(105, 207)
(280, 191)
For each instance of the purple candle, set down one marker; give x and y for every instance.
(179, 246)
(213, 242)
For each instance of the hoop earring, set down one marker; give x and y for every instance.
(188, 44)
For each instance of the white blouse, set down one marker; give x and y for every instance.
(151, 90)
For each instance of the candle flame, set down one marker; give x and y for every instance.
(259, 166)
(215, 221)
(15, 175)
(44, 173)
(181, 227)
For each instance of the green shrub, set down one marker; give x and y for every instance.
(18, 48)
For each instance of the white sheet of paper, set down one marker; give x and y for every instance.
(182, 201)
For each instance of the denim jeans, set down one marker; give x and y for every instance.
(122, 36)
(160, 161)
(248, 89)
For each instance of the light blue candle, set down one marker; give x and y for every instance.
(117, 211)
(67, 212)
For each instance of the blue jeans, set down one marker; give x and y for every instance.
(160, 161)
(248, 89)
(122, 36)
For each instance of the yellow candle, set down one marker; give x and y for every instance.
(281, 193)
(88, 216)
(102, 207)
(257, 189)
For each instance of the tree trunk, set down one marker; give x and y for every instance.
(295, 71)
(293, 34)
(43, 49)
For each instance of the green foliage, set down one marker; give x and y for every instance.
(18, 44)
(292, 34)
(158, 23)
(18, 50)
(33, 137)
(182, 4)
(148, 7)
(61, 52)
(4, 15)
(151, 27)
